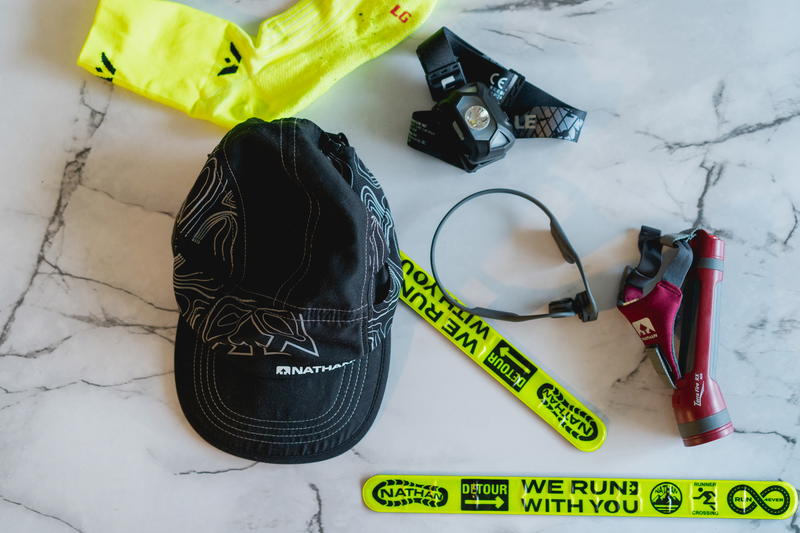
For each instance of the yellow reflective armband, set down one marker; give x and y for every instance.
(503, 361)
(572, 496)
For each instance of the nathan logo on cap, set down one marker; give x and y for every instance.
(287, 275)
(300, 369)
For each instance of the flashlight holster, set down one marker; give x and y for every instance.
(683, 303)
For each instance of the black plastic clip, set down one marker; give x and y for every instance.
(561, 308)
(585, 307)
(443, 80)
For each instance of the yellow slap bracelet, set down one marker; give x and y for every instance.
(504, 362)
(626, 497)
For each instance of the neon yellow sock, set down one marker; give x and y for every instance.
(212, 69)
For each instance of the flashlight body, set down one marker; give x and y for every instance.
(700, 409)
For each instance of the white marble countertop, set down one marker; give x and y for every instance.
(694, 117)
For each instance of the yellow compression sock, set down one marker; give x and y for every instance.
(212, 69)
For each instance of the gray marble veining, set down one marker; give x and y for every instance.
(693, 119)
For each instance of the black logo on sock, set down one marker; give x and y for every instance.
(231, 68)
(108, 70)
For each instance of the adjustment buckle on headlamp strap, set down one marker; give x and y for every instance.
(442, 80)
(442, 67)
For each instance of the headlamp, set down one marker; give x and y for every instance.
(478, 129)
(481, 107)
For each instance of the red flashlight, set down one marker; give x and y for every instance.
(697, 400)
(683, 301)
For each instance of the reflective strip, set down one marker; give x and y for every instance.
(710, 263)
(696, 427)
(620, 497)
(501, 360)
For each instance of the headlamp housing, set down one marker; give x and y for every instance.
(481, 106)
(474, 126)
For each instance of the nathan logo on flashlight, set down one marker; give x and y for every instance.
(645, 329)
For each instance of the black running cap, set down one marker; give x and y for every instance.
(287, 274)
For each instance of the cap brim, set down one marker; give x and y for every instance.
(277, 419)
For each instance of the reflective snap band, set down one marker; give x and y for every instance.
(504, 362)
(678, 498)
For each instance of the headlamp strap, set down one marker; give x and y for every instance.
(450, 62)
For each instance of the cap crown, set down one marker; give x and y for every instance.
(286, 246)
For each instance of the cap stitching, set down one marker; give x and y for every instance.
(287, 304)
(271, 421)
(371, 185)
(241, 210)
(308, 218)
(212, 364)
(265, 441)
(200, 204)
(211, 405)
(316, 222)
(366, 273)
(200, 404)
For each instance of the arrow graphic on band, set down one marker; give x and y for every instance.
(498, 502)
(505, 352)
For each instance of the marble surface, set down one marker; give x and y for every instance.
(694, 117)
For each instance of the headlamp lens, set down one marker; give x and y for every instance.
(477, 117)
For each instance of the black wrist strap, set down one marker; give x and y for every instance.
(450, 62)
(582, 305)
